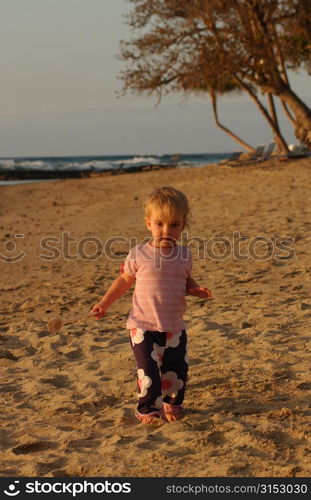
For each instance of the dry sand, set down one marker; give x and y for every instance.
(68, 399)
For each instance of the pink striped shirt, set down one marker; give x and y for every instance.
(159, 296)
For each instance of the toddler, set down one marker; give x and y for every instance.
(161, 270)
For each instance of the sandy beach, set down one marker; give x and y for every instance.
(68, 399)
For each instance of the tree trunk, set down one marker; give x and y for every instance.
(276, 121)
(225, 129)
(273, 125)
(288, 114)
(302, 114)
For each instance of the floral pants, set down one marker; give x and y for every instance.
(162, 366)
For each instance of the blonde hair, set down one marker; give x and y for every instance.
(168, 202)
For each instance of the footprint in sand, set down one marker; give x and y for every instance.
(82, 444)
(216, 438)
(74, 353)
(12, 341)
(44, 468)
(34, 447)
(242, 470)
(59, 381)
(5, 354)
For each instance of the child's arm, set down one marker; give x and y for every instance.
(197, 291)
(114, 292)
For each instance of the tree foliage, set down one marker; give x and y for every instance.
(219, 46)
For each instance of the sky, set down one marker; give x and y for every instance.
(59, 79)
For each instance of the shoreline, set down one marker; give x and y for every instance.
(34, 175)
(68, 399)
(73, 174)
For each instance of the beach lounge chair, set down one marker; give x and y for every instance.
(252, 158)
(296, 151)
(300, 151)
(233, 157)
(266, 155)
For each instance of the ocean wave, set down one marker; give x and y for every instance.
(7, 164)
(103, 163)
(149, 160)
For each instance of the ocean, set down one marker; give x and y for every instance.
(17, 170)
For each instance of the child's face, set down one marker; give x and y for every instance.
(165, 232)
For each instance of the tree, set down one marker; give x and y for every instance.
(218, 46)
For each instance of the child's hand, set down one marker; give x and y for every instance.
(201, 292)
(98, 311)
